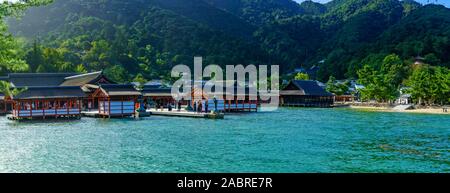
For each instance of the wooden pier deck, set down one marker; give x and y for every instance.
(96, 114)
(67, 117)
(183, 113)
(90, 113)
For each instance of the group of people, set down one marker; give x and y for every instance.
(198, 106)
(46, 105)
(169, 106)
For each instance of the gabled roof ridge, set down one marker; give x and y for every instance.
(116, 85)
(310, 87)
(41, 74)
(82, 75)
(51, 87)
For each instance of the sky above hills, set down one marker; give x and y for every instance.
(443, 2)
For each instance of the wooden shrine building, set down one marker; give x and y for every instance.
(229, 101)
(48, 102)
(116, 100)
(157, 96)
(241, 101)
(305, 93)
(6, 104)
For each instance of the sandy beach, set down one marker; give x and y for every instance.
(388, 109)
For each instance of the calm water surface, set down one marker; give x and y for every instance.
(289, 140)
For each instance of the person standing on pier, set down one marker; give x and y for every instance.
(89, 106)
(215, 104)
(195, 106)
(170, 106)
(200, 106)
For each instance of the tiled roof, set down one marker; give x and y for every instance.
(157, 92)
(120, 90)
(51, 92)
(82, 79)
(307, 87)
(37, 79)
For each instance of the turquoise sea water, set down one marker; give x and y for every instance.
(289, 140)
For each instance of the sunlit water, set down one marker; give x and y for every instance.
(289, 140)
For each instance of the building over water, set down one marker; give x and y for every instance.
(116, 100)
(48, 95)
(52, 94)
(48, 102)
(29, 80)
(156, 96)
(305, 93)
(235, 96)
(5, 103)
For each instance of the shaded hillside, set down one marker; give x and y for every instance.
(150, 36)
(260, 11)
(423, 32)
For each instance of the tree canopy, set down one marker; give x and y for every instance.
(148, 38)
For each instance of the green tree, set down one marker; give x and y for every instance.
(140, 79)
(432, 59)
(331, 85)
(117, 73)
(430, 85)
(382, 85)
(394, 72)
(301, 76)
(80, 69)
(394, 69)
(10, 49)
(441, 85)
(8, 91)
(98, 57)
(10, 53)
(367, 76)
(420, 83)
(337, 88)
(35, 56)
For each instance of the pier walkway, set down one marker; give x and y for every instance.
(183, 113)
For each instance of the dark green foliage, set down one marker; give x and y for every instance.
(260, 11)
(149, 37)
(337, 88)
(430, 85)
(11, 54)
(424, 31)
(301, 76)
(383, 85)
(313, 8)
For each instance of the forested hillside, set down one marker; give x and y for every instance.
(145, 38)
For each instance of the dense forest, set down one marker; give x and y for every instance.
(143, 39)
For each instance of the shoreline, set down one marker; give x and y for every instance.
(430, 110)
